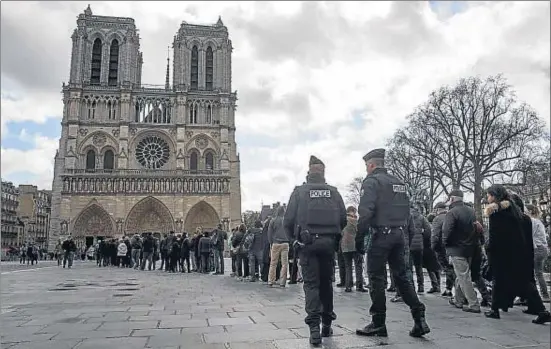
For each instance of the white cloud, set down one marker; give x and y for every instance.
(304, 72)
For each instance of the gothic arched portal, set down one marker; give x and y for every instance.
(201, 215)
(149, 215)
(93, 221)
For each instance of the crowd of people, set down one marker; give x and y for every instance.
(504, 261)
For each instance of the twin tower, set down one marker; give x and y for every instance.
(137, 158)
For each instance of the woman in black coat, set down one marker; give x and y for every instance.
(507, 252)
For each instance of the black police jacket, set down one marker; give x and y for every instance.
(383, 202)
(295, 214)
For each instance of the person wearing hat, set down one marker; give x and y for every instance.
(384, 210)
(319, 212)
(460, 241)
(438, 247)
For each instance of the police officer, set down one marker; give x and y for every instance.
(384, 207)
(319, 212)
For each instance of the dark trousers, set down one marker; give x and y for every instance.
(242, 265)
(233, 263)
(173, 263)
(186, 260)
(417, 259)
(389, 247)
(342, 267)
(476, 275)
(447, 267)
(265, 271)
(205, 262)
(357, 259)
(317, 262)
(293, 271)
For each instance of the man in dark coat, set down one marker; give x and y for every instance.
(438, 247)
(460, 240)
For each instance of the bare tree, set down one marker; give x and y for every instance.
(472, 132)
(353, 191)
(250, 217)
(497, 132)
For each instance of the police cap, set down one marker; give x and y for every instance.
(375, 154)
(457, 193)
(315, 165)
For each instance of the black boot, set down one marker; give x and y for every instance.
(492, 314)
(420, 326)
(315, 335)
(326, 330)
(542, 318)
(376, 328)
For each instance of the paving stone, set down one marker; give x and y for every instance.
(194, 311)
(182, 323)
(116, 343)
(204, 316)
(229, 321)
(93, 334)
(184, 341)
(237, 314)
(57, 344)
(253, 327)
(128, 325)
(248, 336)
(155, 332)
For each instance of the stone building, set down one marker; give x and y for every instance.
(12, 227)
(34, 211)
(136, 158)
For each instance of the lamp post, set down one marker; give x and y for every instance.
(179, 223)
(225, 223)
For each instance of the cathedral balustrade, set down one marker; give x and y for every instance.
(82, 184)
(146, 172)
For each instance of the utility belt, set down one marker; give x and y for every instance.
(306, 237)
(387, 229)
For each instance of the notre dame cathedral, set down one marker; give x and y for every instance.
(134, 158)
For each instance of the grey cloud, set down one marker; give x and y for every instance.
(258, 100)
(33, 58)
(303, 37)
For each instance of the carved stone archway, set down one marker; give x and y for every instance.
(149, 215)
(201, 215)
(93, 221)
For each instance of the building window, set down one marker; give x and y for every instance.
(209, 115)
(95, 73)
(113, 63)
(90, 160)
(209, 161)
(194, 83)
(193, 161)
(193, 113)
(209, 72)
(109, 160)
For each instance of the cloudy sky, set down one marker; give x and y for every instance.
(330, 79)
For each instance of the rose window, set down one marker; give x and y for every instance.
(152, 152)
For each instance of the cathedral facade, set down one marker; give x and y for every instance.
(134, 158)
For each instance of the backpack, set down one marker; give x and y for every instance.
(247, 242)
(214, 238)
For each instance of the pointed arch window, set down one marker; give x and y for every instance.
(109, 160)
(209, 71)
(91, 160)
(208, 117)
(209, 161)
(193, 113)
(194, 82)
(95, 73)
(113, 63)
(193, 161)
